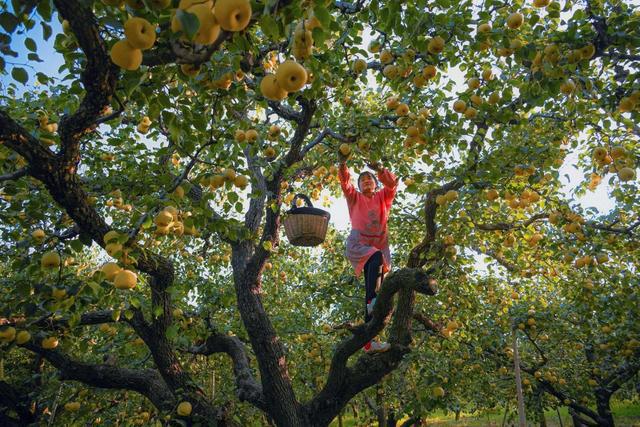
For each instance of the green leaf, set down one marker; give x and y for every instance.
(323, 15)
(30, 44)
(95, 287)
(189, 22)
(19, 75)
(44, 10)
(9, 22)
(270, 27)
(172, 331)
(76, 245)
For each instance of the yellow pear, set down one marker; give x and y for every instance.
(626, 174)
(459, 106)
(484, 28)
(23, 337)
(402, 109)
(251, 135)
(110, 270)
(190, 70)
(435, 45)
(291, 76)
(163, 218)
(429, 71)
(470, 113)
(49, 343)
(473, 83)
(184, 409)
(241, 181)
(126, 56)
(38, 234)
(515, 20)
(72, 406)
(58, 294)
(233, 15)
(7, 334)
(229, 174)
(209, 29)
(437, 391)
(541, 3)
(217, 181)
(113, 248)
(386, 57)
(140, 33)
(359, 65)
(125, 279)
(271, 89)
(111, 236)
(50, 259)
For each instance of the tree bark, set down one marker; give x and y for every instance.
(603, 399)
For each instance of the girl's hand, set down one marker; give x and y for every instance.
(376, 166)
(342, 158)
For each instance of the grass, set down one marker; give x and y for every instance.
(626, 414)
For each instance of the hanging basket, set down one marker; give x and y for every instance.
(306, 226)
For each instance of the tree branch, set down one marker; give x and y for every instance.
(343, 382)
(14, 175)
(98, 77)
(147, 382)
(16, 400)
(504, 226)
(247, 388)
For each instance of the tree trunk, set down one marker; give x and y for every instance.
(576, 421)
(391, 419)
(603, 399)
(381, 414)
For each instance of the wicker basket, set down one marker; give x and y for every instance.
(306, 226)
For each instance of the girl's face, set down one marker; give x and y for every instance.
(367, 184)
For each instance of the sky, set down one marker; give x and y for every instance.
(570, 176)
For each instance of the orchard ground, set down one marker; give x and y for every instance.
(627, 414)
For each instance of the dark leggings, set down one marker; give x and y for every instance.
(372, 279)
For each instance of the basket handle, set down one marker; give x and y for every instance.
(303, 197)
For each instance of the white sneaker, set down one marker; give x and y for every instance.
(370, 306)
(377, 347)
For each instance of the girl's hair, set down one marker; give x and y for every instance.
(371, 175)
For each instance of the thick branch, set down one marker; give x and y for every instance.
(98, 77)
(16, 400)
(14, 175)
(183, 53)
(343, 382)
(247, 387)
(254, 214)
(147, 382)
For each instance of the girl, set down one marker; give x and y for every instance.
(367, 244)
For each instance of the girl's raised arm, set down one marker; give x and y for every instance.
(345, 182)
